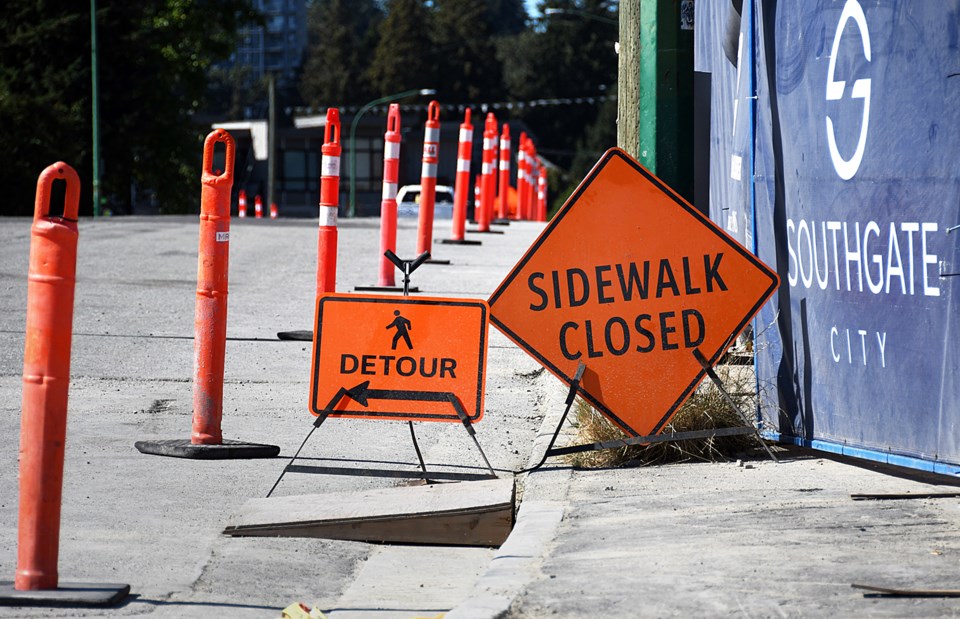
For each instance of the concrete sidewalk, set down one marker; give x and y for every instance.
(755, 539)
(748, 539)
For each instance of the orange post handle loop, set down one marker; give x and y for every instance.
(491, 124)
(331, 133)
(433, 112)
(71, 202)
(393, 119)
(215, 136)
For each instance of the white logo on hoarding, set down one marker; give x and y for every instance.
(847, 168)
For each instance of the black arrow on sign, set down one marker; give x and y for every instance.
(362, 394)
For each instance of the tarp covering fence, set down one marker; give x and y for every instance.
(835, 155)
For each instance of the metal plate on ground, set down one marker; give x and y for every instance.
(475, 513)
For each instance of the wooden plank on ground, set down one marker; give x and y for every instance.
(475, 513)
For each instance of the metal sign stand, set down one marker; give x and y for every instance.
(748, 428)
(362, 392)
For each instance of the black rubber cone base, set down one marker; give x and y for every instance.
(228, 450)
(460, 242)
(440, 261)
(485, 231)
(300, 336)
(500, 222)
(384, 289)
(67, 594)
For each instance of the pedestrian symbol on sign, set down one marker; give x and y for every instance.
(403, 327)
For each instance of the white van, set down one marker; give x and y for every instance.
(408, 202)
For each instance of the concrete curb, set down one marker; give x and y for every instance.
(517, 562)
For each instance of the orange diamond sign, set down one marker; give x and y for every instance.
(630, 279)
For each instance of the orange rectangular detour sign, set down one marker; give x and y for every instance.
(630, 279)
(400, 358)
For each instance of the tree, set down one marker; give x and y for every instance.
(566, 57)
(465, 51)
(153, 62)
(403, 58)
(506, 17)
(342, 35)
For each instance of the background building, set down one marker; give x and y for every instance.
(278, 46)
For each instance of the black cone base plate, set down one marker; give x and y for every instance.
(300, 336)
(485, 231)
(501, 222)
(440, 261)
(228, 450)
(384, 289)
(67, 594)
(460, 242)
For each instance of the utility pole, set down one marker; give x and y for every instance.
(95, 105)
(628, 88)
(271, 138)
(656, 89)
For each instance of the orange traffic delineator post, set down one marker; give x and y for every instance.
(461, 190)
(210, 323)
(542, 193)
(477, 192)
(274, 211)
(488, 178)
(504, 182)
(428, 183)
(329, 210)
(388, 205)
(329, 204)
(242, 204)
(43, 429)
(532, 175)
(522, 176)
(529, 180)
(258, 207)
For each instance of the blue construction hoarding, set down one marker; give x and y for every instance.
(835, 156)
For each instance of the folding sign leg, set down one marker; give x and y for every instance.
(726, 396)
(416, 446)
(316, 424)
(462, 414)
(571, 396)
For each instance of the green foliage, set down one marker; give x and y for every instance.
(465, 52)
(403, 58)
(153, 63)
(342, 35)
(567, 56)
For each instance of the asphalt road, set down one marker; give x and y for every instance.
(155, 522)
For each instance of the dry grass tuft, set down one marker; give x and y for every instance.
(706, 409)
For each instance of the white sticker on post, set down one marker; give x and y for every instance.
(330, 166)
(223, 237)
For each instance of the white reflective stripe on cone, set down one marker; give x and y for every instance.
(463, 165)
(328, 216)
(466, 135)
(431, 134)
(489, 143)
(330, 166)
(389, 191)
(429, 170)
(391, 150)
